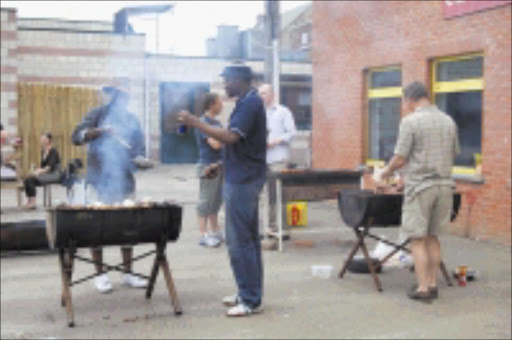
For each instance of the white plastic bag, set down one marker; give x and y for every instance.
(399, 260)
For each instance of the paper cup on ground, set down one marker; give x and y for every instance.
(321, 271)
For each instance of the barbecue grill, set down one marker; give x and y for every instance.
(23, 235)
(70, 227)
(364, 209)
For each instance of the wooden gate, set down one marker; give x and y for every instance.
(55, 109)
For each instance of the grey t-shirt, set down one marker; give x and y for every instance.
(428, 140)
(207, 154)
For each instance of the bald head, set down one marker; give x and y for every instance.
(267, 94)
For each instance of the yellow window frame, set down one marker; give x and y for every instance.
(380, 92)
(461, 85)
(375, 163)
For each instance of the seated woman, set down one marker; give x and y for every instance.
(49, 172)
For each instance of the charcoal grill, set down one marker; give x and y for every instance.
(364, 209)
(72, 227)
(23, 235)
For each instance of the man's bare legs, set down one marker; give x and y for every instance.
(203, 226)
(97, 257)
(215, 238)
(434, 254)
(426, 252)
(214, 223)
(127, 255)
(421, 262)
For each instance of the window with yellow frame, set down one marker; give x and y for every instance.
(384, 99)
(457, 85)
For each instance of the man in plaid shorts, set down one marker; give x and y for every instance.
(427, 143)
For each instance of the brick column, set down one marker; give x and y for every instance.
(9, 70)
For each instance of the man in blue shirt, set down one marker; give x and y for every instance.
(244, 164)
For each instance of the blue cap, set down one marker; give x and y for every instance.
(237, 71)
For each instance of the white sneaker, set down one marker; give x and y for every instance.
(243, 310)
(133, 281)
(203, 240)
(213, 241)
(231, 301)
(219, 235)
(102, 283)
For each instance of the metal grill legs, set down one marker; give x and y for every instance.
(162, 263)
(360, 244)
(66, 270)
(361, 234)
(66, 259)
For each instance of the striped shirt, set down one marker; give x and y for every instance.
(428, 140)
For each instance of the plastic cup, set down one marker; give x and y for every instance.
(321, 271)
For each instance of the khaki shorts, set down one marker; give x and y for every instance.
(427, 213)
(210, 193)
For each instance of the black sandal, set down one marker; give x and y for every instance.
(415, 294)
(434, 294)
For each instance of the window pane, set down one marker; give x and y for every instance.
(390, 78)
(466, 109)
(461, 69)
(383, 126)
(298, 100)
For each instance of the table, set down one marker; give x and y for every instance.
(308, 185)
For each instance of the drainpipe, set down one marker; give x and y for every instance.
(276, 70)
(146, 105)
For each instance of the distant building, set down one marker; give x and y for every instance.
(211, 47)
(295, 46)
(228, 42)
(90, 54)
(295, 38)
(296, 28)
(253, 41)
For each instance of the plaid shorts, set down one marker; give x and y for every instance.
(428, 212)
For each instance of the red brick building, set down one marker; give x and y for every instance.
(364, 52)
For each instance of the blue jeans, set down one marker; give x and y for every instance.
(242, 239)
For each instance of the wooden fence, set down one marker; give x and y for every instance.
(56, 109)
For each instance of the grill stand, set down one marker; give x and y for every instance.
(161, 261)
(361, 233)
(66, 260)
(66, 271)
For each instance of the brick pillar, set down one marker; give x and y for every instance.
(9, 70)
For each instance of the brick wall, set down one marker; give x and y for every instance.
(47, 23)
(9, 70)
(351, 36)
(82, 59)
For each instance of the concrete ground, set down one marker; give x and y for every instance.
(296, 304)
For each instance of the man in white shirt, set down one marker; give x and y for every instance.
(280, 131)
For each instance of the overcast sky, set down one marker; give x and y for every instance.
(182, 31)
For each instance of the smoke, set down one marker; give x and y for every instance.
(116, 149)
(110, 156)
